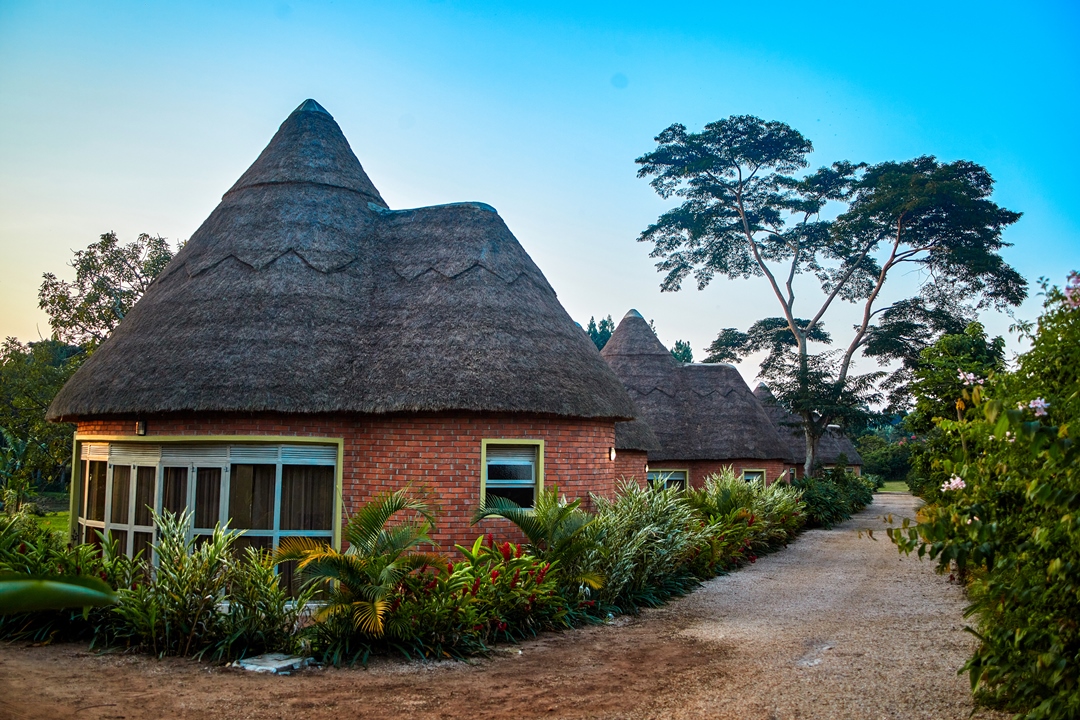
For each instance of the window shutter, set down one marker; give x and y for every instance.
(254, 454)
(134, 454)
(95, 451)
(308, 455)
(205, 453)
(511, 454)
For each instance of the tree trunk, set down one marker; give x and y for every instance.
(811, 450)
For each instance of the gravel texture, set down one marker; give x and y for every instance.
(835, 626)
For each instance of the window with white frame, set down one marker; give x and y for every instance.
(512, 469)
(669, 478)
(270, 492)
(753, 475)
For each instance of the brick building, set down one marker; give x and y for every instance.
(309, 348)
(703, 415)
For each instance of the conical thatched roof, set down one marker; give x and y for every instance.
(831, 446)
(303, 293)
(697, 411)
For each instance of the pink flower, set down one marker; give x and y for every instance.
(1039, 406)
(968, 378)
(954, 483)
(1072, 292)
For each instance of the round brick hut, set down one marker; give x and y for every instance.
(309, 348)
(703, 414)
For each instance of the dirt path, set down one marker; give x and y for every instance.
(836, 626)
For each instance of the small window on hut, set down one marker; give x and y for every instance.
(668, 478)
(753, 475)
(512, 470)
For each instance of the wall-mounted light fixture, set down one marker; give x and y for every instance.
(140, 427)
(611, 454)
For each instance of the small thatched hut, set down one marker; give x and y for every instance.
(833, 447)
(704, 415)
(310, 347)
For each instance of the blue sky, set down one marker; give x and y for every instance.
(136, 117)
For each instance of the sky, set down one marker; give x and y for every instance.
(137, 116)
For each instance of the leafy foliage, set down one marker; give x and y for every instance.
(745, 213)
(834, 496)
(359, 581)
(600, 332)
(30, 376)
(1009, 519)
(682, 352)
(109, 279)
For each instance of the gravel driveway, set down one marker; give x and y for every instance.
(835, 626)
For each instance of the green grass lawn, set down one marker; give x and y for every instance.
(895, 486)
(56, 521)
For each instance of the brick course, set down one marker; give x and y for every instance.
(438, 454)
(631, 464)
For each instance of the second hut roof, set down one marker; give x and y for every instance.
(697, 411)
(303, 293)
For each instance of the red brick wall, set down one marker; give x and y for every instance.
(701, 469)
(631, 464)
(440, 453)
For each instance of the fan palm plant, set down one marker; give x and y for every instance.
(378, 558)
(558, 532)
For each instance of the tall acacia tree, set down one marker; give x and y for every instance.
(746, 212)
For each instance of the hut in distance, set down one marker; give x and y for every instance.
(309, 347)
(834, 447)
(703, 415)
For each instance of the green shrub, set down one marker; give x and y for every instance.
(649, 538)
(834, 496)
(1009, 513)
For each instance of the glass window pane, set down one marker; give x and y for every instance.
(251, 497)
(207, 497)
(522, 496)
(670, 478)
(121, 493)
(511, 473)
(120, 538)
(174, 490)
(259, 542)
(95, 490)
(307, 497)
(142, 542)
(144, 495)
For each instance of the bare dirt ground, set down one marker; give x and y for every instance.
(836, 626)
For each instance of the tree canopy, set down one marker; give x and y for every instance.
(109, 279)
(749, 210)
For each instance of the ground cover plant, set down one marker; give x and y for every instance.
(1006, 514)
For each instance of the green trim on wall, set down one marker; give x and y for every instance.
(511, 441)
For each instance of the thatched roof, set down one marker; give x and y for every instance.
(303, 293)
(831, 446)
(697, 411)
(635, 435)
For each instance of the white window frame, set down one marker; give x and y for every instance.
(287, 451)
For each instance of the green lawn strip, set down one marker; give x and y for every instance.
(894, 486)
(58, 521)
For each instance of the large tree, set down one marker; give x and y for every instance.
(749, 210)
(109, 279)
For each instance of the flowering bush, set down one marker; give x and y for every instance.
(1010, 517)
